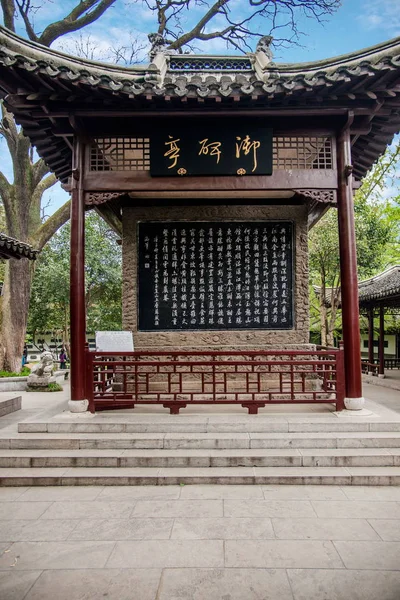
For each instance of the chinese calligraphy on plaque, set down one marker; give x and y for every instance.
(206, 275)
(212, 149)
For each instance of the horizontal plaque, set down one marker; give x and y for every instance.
(208, 275)
(211, 148)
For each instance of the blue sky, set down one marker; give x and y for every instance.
(357, 24)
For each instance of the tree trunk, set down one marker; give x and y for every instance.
(17, 288)
(322, 308)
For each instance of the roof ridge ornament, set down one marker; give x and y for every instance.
(262, 58)
(159, 45)
(264, 45)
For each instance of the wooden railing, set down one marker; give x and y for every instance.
(369, 368)
(392, 363)
(252, 379)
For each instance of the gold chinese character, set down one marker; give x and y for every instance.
(173, 151)
(212, 147)
(245, 145)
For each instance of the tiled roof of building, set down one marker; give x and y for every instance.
(384, 286)
(33, 76)
(11, 248)
(381, 289)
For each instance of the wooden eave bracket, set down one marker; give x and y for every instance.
(321, 196)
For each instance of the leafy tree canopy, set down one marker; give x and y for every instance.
(49, 308)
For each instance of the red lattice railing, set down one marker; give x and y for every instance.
(369, 368)
(252, 379)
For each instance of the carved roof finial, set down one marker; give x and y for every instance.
(264, 44)
(159, 44)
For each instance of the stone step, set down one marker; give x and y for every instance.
(122, 441)
(253, 424)
(189, 458)
(198, 475)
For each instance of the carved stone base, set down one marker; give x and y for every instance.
(37, 382)
(78, 406)
(354, 403)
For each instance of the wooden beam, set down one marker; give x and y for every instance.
(141, 181)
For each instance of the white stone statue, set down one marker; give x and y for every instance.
(42, 373)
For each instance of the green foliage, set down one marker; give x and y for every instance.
(49, 307)
(24, 373)
(54, 387)
(2, 229)
(377, 224)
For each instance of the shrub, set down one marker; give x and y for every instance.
(54, 387)
(24, 373)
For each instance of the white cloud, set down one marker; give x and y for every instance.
(381, 14)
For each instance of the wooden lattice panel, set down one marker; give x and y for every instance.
(120, 154)
(302, 152)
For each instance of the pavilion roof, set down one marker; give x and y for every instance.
(12, 248)
(382, 289)
(37, 82)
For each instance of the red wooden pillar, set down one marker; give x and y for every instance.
(348, 273)
(381, 348)
(78, 402)
(371, 335)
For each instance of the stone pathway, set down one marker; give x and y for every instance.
(200, 543)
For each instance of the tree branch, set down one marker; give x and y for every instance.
(49, 227)
(24, 10)
(42, 186)
(8, 14)
(39, 170)
(78, 18)
(5, 188)
(198, 28)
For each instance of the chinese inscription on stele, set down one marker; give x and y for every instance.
(236, 149)
(205, 275)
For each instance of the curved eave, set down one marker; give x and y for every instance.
(382, 289)
(33, 76)
(12, 248)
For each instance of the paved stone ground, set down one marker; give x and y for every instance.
(200, 543)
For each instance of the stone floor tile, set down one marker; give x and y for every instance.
(56, 555)
(89, 510)
(372, 493)
(370, 555)
(167, 553)
(66, 493)
(35, 530)
(316, 584)
(324, 529)
(268, 508)
(223, 529)
(15, 584)
(357, 509)
(388, 529)
(178, 508)
(142, 492)
(281, 554)
(22, 510)
(219, 584)
(7, 494)
(93, 584)
(214, 492)
(302, 492)
(122, 529)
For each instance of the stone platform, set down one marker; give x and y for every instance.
(203, 445)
